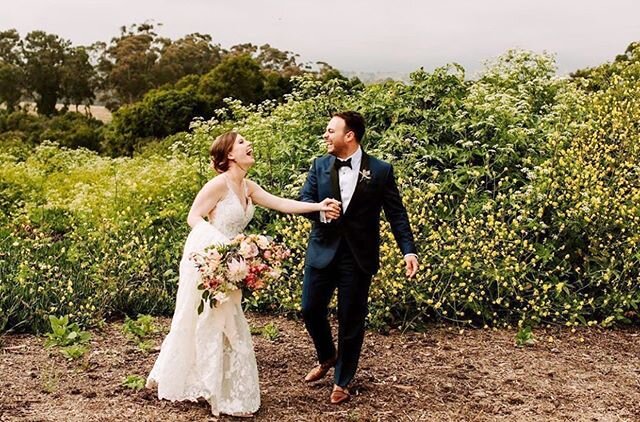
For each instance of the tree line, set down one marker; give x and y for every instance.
(154, 85)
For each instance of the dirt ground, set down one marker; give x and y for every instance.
(440, 375)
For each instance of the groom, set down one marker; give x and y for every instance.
(343, 250)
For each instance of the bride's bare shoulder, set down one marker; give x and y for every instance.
(215, 184)
(252, 186)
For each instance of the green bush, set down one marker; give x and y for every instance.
(522, 190)
(160, 113)
(69, 129)
(93, 237)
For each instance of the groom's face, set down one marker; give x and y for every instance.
(334, 137)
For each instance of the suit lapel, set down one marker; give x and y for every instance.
(361, 181)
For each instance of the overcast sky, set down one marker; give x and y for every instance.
(360, 35)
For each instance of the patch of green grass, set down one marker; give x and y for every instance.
(49, 379)
(134, 382)
(140, 328)
(64, 334)
(525, 337)
(270, 331)
(74, 351)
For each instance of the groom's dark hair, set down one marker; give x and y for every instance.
(353, 122)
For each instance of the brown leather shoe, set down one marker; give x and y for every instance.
(319, 371)
(339, 395)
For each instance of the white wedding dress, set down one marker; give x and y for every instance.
(210, 355)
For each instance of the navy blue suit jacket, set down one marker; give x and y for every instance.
(376, 190)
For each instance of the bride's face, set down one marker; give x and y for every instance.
(242, 152)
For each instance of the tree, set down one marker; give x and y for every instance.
(247, 49)
(11, 72)
(78, 78)
(631, 54)
(283, 62)
(275, 85)
(74, 130)
(127, 65)
(44, 56)
(192, 55)
(70, 129)
(326, 72)
(237, 76)
(161, 113)
(187, 81)
(278, 68)
(593, 79)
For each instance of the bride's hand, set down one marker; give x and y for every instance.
(331, 207)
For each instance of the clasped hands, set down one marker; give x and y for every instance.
(331, 208)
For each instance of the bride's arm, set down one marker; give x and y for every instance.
(263, 198)
(206, 200)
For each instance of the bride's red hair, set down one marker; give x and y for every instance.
(220, 149)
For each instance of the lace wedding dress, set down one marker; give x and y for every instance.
(210, 355)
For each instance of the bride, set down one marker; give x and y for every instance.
(211, 355)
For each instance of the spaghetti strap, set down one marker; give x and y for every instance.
(226, 180)
(245, 201)
(246, 193)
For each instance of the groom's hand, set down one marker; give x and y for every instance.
(411, 262)
(334, 209)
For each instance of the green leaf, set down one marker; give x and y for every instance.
(524, 337)
(134, 382)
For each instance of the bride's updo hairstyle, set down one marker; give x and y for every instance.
(220, 149)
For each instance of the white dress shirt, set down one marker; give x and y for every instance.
(348, 178)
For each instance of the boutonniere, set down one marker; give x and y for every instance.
(365, 175)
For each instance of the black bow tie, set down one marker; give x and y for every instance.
(340, 163)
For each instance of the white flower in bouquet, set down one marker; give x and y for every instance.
(263, 242)
(221, 297)
(248, 249)
(237, 270)
(213, 258)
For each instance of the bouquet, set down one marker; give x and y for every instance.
(247, 262)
